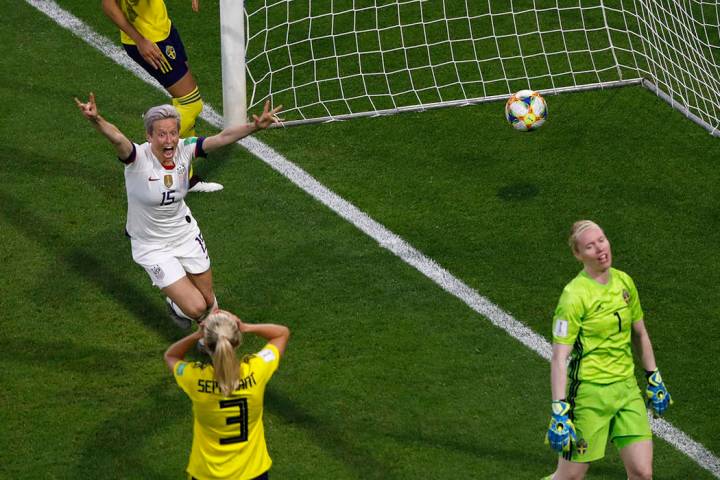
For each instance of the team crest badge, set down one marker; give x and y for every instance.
(181, 170)
(168, 179)
(581, 446)
(157, 271)
(170, 51)
(626, 296)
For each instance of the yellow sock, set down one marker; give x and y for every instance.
(189, 107)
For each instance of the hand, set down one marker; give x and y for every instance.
(658, 397)
(561, 428)
(268, 117)
(89, 109)
(152, 54)
(196, 5)
(200, 332)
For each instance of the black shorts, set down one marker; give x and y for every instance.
(173, 50)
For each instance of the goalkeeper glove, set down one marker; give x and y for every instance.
(561, 428)
(658, 397)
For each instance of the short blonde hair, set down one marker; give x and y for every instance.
(222, 337)
(577, 229)
(161, 112)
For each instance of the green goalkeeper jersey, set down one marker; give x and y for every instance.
(597, 320)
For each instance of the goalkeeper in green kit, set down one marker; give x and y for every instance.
(595, 397)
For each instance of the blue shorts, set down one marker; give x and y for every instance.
(173, 50)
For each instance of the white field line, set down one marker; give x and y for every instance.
(370, 227)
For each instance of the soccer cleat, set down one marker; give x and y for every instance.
(181, 322)
(658, 397)
(206, 187)
(561, 429)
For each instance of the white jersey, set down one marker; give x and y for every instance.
(157, 213)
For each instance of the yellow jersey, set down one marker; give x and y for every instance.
(228, 433)
(149, 17)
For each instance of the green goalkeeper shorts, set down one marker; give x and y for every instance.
(616, 411)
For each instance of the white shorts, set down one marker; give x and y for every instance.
(168, 263)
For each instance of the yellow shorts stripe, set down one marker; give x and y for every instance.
(191, 97)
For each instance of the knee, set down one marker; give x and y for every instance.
(641, 473)
(197, 308)
(570, 475)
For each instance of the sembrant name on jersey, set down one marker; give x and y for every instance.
(211, 386)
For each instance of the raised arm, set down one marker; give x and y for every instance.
(149, 50)
(123, 146)
(177, 351)
(233, 134)
(278, 335)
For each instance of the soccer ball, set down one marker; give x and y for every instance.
(526, 110)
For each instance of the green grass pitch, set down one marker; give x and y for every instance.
(386, 375)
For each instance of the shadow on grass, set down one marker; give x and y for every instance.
(326, 435)
(119, 448)
(96, 262)
(535, 456)
(480, 445)
(72, 356)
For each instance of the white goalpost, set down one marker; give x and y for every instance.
(336, 59)
(232, 52)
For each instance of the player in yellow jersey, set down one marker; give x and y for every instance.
(227, 397)
(150, 38)
(597, 318)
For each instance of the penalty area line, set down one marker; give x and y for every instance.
(384, 237)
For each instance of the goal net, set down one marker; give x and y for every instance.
(334, 59)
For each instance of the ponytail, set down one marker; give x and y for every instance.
(226, 366)
(223, 337)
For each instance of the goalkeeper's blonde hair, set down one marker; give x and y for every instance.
(577, 229)
(222, 337)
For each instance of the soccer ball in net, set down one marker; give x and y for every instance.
(526, 110)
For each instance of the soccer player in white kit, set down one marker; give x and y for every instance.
(166, 240)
